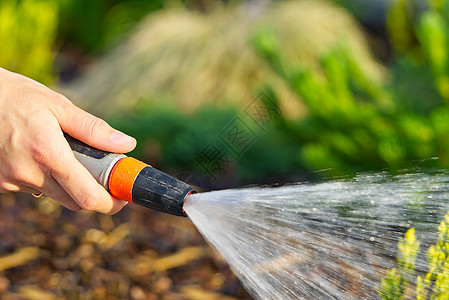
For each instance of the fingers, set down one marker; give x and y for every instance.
(92, 130)
(76, 181)
(79, 184)
(49, 166)
(52, 189)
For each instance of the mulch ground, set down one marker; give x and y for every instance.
(49, 252)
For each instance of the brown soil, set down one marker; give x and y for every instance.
(48, 252)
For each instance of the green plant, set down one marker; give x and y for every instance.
(400, 26)
(435, 284)
(351, 115)
(95, 25)
(175, 141)
(356, 123)
(396, 280)
(196, 59)
(27, 31)
(352, 121)
(423, 39)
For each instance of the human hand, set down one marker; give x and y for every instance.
(34, 155)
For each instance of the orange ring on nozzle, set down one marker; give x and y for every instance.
(122, 177)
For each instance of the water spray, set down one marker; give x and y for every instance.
(335, 239)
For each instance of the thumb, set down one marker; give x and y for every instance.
(92, 130)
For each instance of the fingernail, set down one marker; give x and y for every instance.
(122, 139)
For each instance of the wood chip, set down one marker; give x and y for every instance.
(178, 259)
(32, 292)
(195, 292)
(19, 257)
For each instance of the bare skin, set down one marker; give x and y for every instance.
(34, 155)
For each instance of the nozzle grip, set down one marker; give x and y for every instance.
(99, 163)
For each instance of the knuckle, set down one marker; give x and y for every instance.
(40, 154)
(61, 105)
(93, 125)
(90, 201)
(62, 100)
(45, 153)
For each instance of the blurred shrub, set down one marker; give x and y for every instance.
(174, 141)
(400, 26)
(33, 29)
(195, 59)
(200, 64)
(422, 39)
(27, 31)
(341, 111)
(433, 35)
(354, 123)
(94, 25)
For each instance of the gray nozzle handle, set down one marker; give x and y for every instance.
(99, 163)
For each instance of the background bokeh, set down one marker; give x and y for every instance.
(220, 94)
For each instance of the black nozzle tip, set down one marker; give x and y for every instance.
(158, 190)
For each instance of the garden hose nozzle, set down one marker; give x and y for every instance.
(129, 179)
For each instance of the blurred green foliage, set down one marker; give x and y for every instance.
(33, 30)
(196, 60)
(400, 26)
(28, 30)
(95, 25)
(396, 280)
(174, 141)
(352, 121)
(435, 283)
(353, 124)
